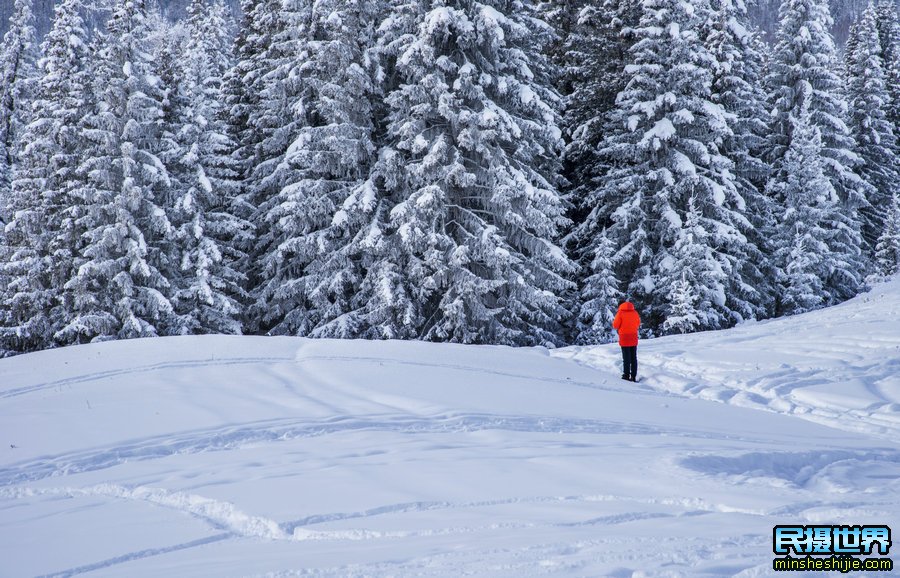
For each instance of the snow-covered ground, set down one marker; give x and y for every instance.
(223, 456)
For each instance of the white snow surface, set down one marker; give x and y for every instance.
(251, 456)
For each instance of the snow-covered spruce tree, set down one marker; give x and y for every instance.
(562, 16)
(241, 89)
(694, 258)
(804, 73)
(250, 123)
(275, 121)
(18, 55)
(888, 21)
(600, 297)
(737, 88)
(596, 54)
(887, 251)
(684, 315)
(807, 236)
(470, 162)
(562, 57)
(663, 151)
(875, 138)
(207, 289)
(117, 290)
(800, 278)
(314, 266)
(43, 233)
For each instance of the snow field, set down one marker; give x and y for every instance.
(238, 456)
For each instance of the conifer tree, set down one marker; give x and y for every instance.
(471, 163)
(737, 87)
(809, 250)
(664, 151)
(208, 292)
(43, 233)
(118, 290)
(312, 271)
(600, 297)
(875, 137)
(275, 122)
(562, 16)
(18, 55)
(805, 84)
(804, 66)
(887, 251)
(694, 264)
(888, 22)
(241, 93)
(254, 112)
(596, 53)
(683, 314)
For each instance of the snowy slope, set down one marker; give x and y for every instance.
(838, 366)
(223, 456)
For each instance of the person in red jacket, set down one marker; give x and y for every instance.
(627, 322)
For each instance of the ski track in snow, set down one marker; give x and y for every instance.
(100, 375)
(300, 359)
(224, 516)
(231, 523)
(135, 556)
(237, 436)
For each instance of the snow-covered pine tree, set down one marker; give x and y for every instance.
(241, 90)
(471, 161)
(804, 68)
(694, 258)
(20, 209)
(875, 138)
(117, 290)
(562, 16)
(807, 236)
(888, 21)
(313, 272)
(207, 289)
(887, 251)
(800, 279)
(276, 120)
(250, 123)
(43, 228)
(663, 150)
(683, 314)
(596, 54)
(737, 88)
(18, 55)
(804, 63)
(25, 295)
(600, 297)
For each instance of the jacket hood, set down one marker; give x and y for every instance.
(627, 306)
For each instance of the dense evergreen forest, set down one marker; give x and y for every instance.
(495, 171)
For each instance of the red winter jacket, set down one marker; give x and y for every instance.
(626, 323)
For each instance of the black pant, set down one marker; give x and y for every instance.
(629, 361)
